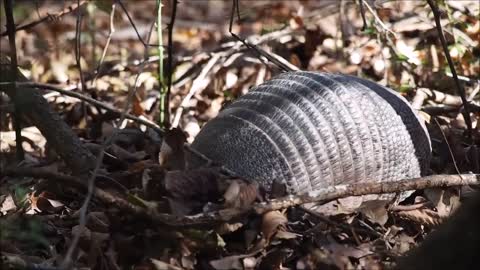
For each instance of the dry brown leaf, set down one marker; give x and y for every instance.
(8, 204)
(42, 204)
(225, 228)
(403, 243)
(200, 183)
(249, 263)
(160, 265)
(275, 258)
(349, 251)
(240, 194)
(125, 155)
(375, 211)
(272, 222)
(281, 234)
(137, 108)
(422, 216)
(98, 222)
(153, 183)
(172, 156)
(192, 190)
(445, 201)
(230, 262)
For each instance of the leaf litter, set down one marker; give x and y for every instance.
(40, 216)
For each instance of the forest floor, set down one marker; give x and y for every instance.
(147, 212)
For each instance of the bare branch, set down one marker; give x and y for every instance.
(169, 64)
(48, 18)
(460, 90)
(8, 5)
(365, 188)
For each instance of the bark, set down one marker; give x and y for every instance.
(57, 133)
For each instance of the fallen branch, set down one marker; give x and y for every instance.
(42, 86)
(155, 127)
(36, 108)
(149, 213)
(213, 218)
(341, 191)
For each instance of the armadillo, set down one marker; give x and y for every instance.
(311, 130)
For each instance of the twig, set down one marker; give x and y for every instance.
(161, 74)
(36, 108)
(378, 20)
(358, 189)
(169, 63)
(461, 91)
(110, 199)
(435, 96)
(450, 151)
(410, 207)
(226, 50)
(13, 66)
(212, 218)
(49, 18)
(155, 127)
(44, 87)
(107, 44)
(253, 47)
(145, 44)
(14, 261)
(78, 37)
(327, 220)
(198, 84)
(67, 261)
(474, 92)
(362, 13)
(278, 59)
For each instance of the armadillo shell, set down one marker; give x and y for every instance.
(312, 130)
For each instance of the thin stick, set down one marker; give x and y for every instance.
(212, 218)
(198, 84)
(78, 64)
(169, 64)
(13, 56)
(161, 78)
(362, 13)
(67, 261)
(252, 46)
(461, 91)
(44, 87)
(78, 52)
(378, 20)
(450, 151)
(335, 192)
(48, 18)
(145, 44)
(107, 44)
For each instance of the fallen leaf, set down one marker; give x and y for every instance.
(171, 155)
(8, 204)
(375, 211)
(445, 201)
(98, 222)
(230, 262)
(272, 222)
(159, 265)
(240, 194)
